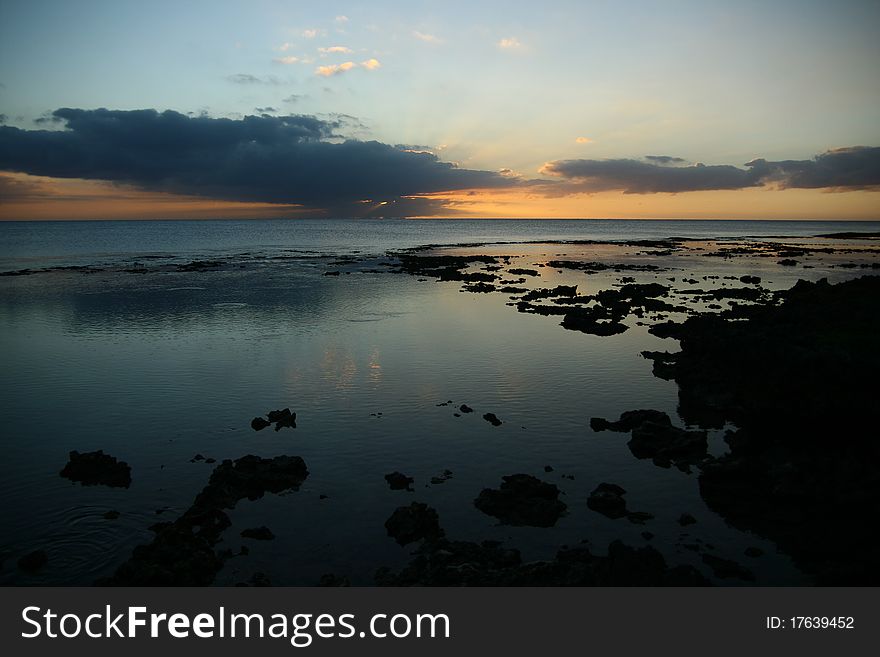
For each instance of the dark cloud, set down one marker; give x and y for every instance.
(665, 159)
(265, 110)
(856, 167)
(852, 168)
(638, 177)
(293, 98)
(277, 159)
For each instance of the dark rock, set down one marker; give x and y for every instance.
(589, 320)
(460, 563)
(97, 468)
(258, 424)
(754, 280)
(412, 523)
(399, 481)
(523, 272)
(639, 517)
(464, 408)
(444, 476)
(282, 418)
(787, 262)
(522, 500)
(182, 552)
(548, 468)
(657, 440)
(725, 569)
(197, 457)
(33, 561)
(492, 419)
(329, 579)
(629, 420)
(686, 519)
(754, 552)
(262, 533)
(607, 499)
(647, 536)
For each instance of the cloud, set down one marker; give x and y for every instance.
(284, 47)
(293, 98)
(510, 43)
(293, 159)
(265, 110)
(334, 69)
(665, 159)
(313, 32)
(247, 78)
(289, 59)
(427, 38)
(337, 69)
(855, 167)
(583, 140)
(341, 19)
(334, 49)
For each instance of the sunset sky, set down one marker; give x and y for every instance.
(675, 109)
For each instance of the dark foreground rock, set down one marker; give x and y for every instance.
(800, 380)
(607, 499)
(413, 523)
(33, 561)
(654, 437)
(460, 563)
(182, 552)
(97, 468)
(492, 419)
(522, 500)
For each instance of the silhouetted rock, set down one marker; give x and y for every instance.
(725, 568)
(33, 561)
(412, 523)
(754, 280)
(492, 419)
(97, 468)
(182, 552)
(522, 500)
(258, 424)
(399, 481)
(686, 519)
(261, 533)
(464, 408)
(592, 321)
(282, 418)
(753, 552)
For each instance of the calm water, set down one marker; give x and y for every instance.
(36, 244)
(154, 368)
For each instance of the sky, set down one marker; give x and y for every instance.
(642, 109)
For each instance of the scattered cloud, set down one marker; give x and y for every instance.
(270, 159)
(284, 47)
(247, 78)
(334, 69)
(583, 140)
(334, 49)
(265, 110)
(851, 168)
(293, 98)
(289, 59)
(427, 38)
(341, 19)
(313, 32)
(510, 43)
(337, 69)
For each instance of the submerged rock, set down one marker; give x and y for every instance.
(282, 418)
(464, 408)
(522, 500)
(97, 468)
(412, 523)
(261, 533)
(607, 499)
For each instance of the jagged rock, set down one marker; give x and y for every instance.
(412, 523)
(492, 419)
(399, 481)
(522, 500)
(258, 424)
(97, 468)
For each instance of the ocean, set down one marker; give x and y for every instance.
(156, 361)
